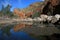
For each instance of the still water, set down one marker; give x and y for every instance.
(17, 32)
(10, 32)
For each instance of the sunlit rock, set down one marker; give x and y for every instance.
(34, 19)
(44, 17)
(19, 13)
(54, 19)
(57, 16)
(49, 18)
(39, 19)
(29, 19)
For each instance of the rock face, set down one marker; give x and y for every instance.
(51, 7)
(29, 11)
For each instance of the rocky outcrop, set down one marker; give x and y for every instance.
(51, 7)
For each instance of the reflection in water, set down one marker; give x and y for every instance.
(37, 28)
(20, 26)
(12, 32)
(6, 30)
(9, 33)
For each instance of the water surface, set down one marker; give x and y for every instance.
(21, 31)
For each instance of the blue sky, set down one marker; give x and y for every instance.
(18, 3)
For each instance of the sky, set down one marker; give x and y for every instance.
(18, 3)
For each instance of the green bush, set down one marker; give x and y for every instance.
(37, 14)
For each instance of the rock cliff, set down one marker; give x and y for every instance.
(51, 7)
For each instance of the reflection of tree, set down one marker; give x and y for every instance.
(6, 30)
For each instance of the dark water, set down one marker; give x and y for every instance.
(8, 33)
(12, 31)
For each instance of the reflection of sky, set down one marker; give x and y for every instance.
(15, 36)
(20, 35)
(17, 3)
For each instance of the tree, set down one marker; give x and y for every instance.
(6, 11)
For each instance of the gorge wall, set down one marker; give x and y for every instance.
(51, 7)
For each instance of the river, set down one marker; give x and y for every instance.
(23, 31)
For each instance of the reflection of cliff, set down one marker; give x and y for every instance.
(21, 26)
(18, 27)
(37, 30)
